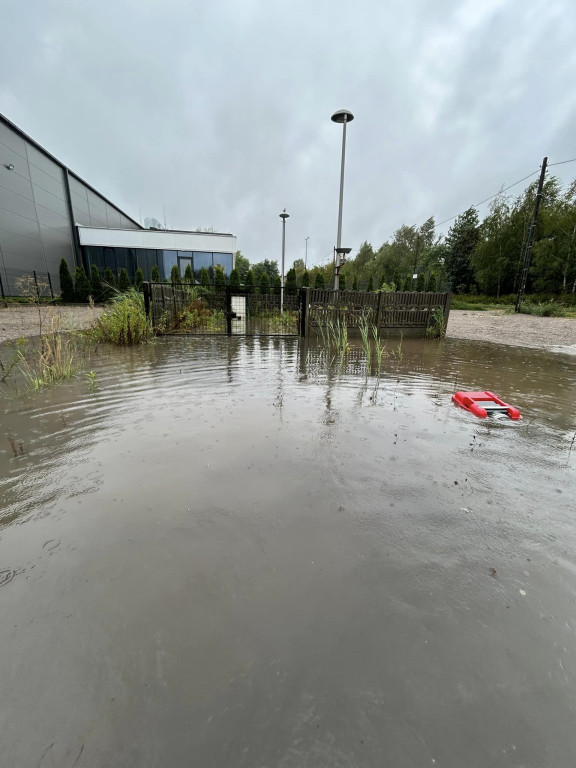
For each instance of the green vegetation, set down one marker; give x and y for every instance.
(234, 279)
(355, 283)
(175, 275)
(219, 277)
(155, 275)
(95, 283)
(320, 281)
(249, 279)
(81, 284)
(204, 278)
(109, 285)
(291, 286)
(138, 279)
(432, 283)
(436, 325)
(342, 283)
(370, 287)
(123, 281)
(188, 275)
(124, 321)
(264, 283)
(66, 283)
(305, 279)
(421, 282)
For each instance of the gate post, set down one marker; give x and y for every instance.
(146, 292)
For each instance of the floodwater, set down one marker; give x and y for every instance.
(228, 556)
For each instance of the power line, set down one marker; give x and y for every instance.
(562, 162)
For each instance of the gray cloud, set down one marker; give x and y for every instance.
(221, 110)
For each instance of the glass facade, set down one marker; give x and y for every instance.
(145, 258)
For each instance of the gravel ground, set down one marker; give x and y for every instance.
(21, 320)
(556, 333)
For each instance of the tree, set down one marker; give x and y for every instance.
(219, 277)
(174, 275)
(188, 275)
(397, 280)
(123, 281)
(383, 280)
(249, 280)
(234, 279)
(408, 283)
(242, 266)
(291, 287)
(81, 284)
(305, 279)
(320, 281)
(138, 279)
(155, 276)
(277, 285)
(421, 282)
(109, 284)
(66, 282)
(204, 278)
(342, 282)
(95, 283)
(264, 283)
(462, 239)
(432, 282)
(370, 284)
(355, 283)
(271, 269)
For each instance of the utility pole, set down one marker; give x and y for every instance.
(283, 216)
(306, 254)
(530, 238)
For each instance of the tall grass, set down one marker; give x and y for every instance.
(436, 328)
(543, 308)
(55, 361)
(124, 321)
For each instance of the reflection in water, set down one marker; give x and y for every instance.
(234, 554)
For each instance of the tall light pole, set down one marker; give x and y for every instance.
(283, 216)
(306, 254)
(343, 116)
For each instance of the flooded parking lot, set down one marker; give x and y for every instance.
(230, 554)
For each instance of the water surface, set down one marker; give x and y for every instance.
(230, 555)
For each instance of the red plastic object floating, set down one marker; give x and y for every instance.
(483, 403)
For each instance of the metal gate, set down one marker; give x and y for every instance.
(185, 309)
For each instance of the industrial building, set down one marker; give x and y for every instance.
(47, 213)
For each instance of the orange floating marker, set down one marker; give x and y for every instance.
(483, 403)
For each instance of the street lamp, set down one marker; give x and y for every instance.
(283, 216)
(306, 254)
(343, 116)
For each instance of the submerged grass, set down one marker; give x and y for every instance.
(123, 322)
(55, 360)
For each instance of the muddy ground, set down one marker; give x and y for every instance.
(21, 320)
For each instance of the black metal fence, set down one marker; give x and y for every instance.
(175, 308)
(394, 310)
(21, 282)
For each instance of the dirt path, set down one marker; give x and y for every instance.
(22, 320)
(556, 333)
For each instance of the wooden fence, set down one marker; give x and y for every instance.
(394, 310)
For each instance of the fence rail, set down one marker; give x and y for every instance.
(397, 309)
(19, 282)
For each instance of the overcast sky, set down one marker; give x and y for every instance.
(219, 110)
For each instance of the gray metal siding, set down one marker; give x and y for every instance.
(35, 227)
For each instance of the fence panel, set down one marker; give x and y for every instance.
(23, 282)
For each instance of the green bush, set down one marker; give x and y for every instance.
(109, 285)
(370, 284)
(123, 280)
(249, 279)
(433, 283)
(188, 275)
(436, 325)
(291, 285)
(320, 281)
(95, 283)
(421, 282)
(66, 282)
(408, 283)
(305, 279)
(124, 321)
(277, 285)
(175, 275)
(264, 283)
(138, 279)
(543, 308)
(355, 283)
(204, 278)
(219, 277)
(155, 275)
(234, 279)
(342, 282)
(81, 284)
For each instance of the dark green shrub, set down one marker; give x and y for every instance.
(175, 275)
(264, 283)
(124, 321)
(291, 285)
(370, 284)
(108, 284)
(234, 279)
(81, 284)
(188, 275)
(204, 278)
(408, 283)
(138, 279)
(421, 282)
(305, 279)
(155, 276)
(219, 277)
(320, 281)
(355, 283)
(397, 280)
(433, 283)
(95, 283)
(342, 282)
(123, 280)
(249, 280)
(66, 282)
(277, 285)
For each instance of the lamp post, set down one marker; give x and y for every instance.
(283, 216)
(343, 116)
(306, 254)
